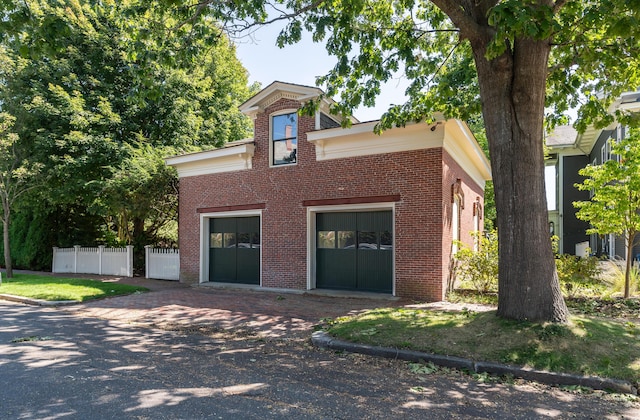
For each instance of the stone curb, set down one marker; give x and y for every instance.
(323, 340)
(37, 302)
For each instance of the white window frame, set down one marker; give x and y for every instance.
(605, 151)
(271, 116)
(456, 219)
(619, 133)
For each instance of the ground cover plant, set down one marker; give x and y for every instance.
(614, 345)
(604, 306)
(52, 288)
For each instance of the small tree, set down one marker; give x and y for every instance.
(14, 174)
(615, 205)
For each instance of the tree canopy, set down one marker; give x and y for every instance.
(98, 102)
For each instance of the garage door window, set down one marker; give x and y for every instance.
(326, 239)
(222, 240)
(386, 240)
(345, 239)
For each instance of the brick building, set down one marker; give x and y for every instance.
(306, 204)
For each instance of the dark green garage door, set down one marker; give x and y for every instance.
(234, 250)
(355, 251)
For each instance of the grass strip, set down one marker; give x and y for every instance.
(57, 288)
(586, 346)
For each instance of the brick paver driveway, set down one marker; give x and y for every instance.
(271, 314)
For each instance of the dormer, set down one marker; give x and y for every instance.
(300, 93)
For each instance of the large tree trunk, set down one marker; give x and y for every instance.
(513, 92)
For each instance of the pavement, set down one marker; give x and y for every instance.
(281, 314)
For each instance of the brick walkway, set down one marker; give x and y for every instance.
(272, 314)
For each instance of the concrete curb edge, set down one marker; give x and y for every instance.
(323, 340)
(38, 302)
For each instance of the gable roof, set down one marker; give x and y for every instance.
(566, 137)
(278, 90)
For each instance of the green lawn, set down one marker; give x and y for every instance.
(587, 345)
(58, 288)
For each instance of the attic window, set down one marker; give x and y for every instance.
(284, 139)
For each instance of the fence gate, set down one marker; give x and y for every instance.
(161, 263)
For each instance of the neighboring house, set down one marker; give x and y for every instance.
(306, 204)
(569, 152)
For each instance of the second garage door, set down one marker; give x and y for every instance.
(354, 251)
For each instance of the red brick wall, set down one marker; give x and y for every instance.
(471, 192)
(416, 176)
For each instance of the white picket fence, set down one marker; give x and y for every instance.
(94, 260)
(162, 263)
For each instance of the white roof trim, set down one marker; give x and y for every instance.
(298, 92)
(462, 146)
(279, 90)
(360, 140)
(227, 159)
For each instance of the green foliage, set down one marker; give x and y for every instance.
(480, 268)
(619, 281)
(36, 230)
(578, 275)
(615, 205)
(101, 92)
(16, 173)
(141, 190)
(423, 368)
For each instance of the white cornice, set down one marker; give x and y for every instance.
(360, 140)
(227, 159)
(278, 90)
(462, 146)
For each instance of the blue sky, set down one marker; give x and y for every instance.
(301, 63)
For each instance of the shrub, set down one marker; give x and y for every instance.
(578, 275)
(479, 268)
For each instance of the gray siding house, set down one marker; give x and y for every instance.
(569, 151)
